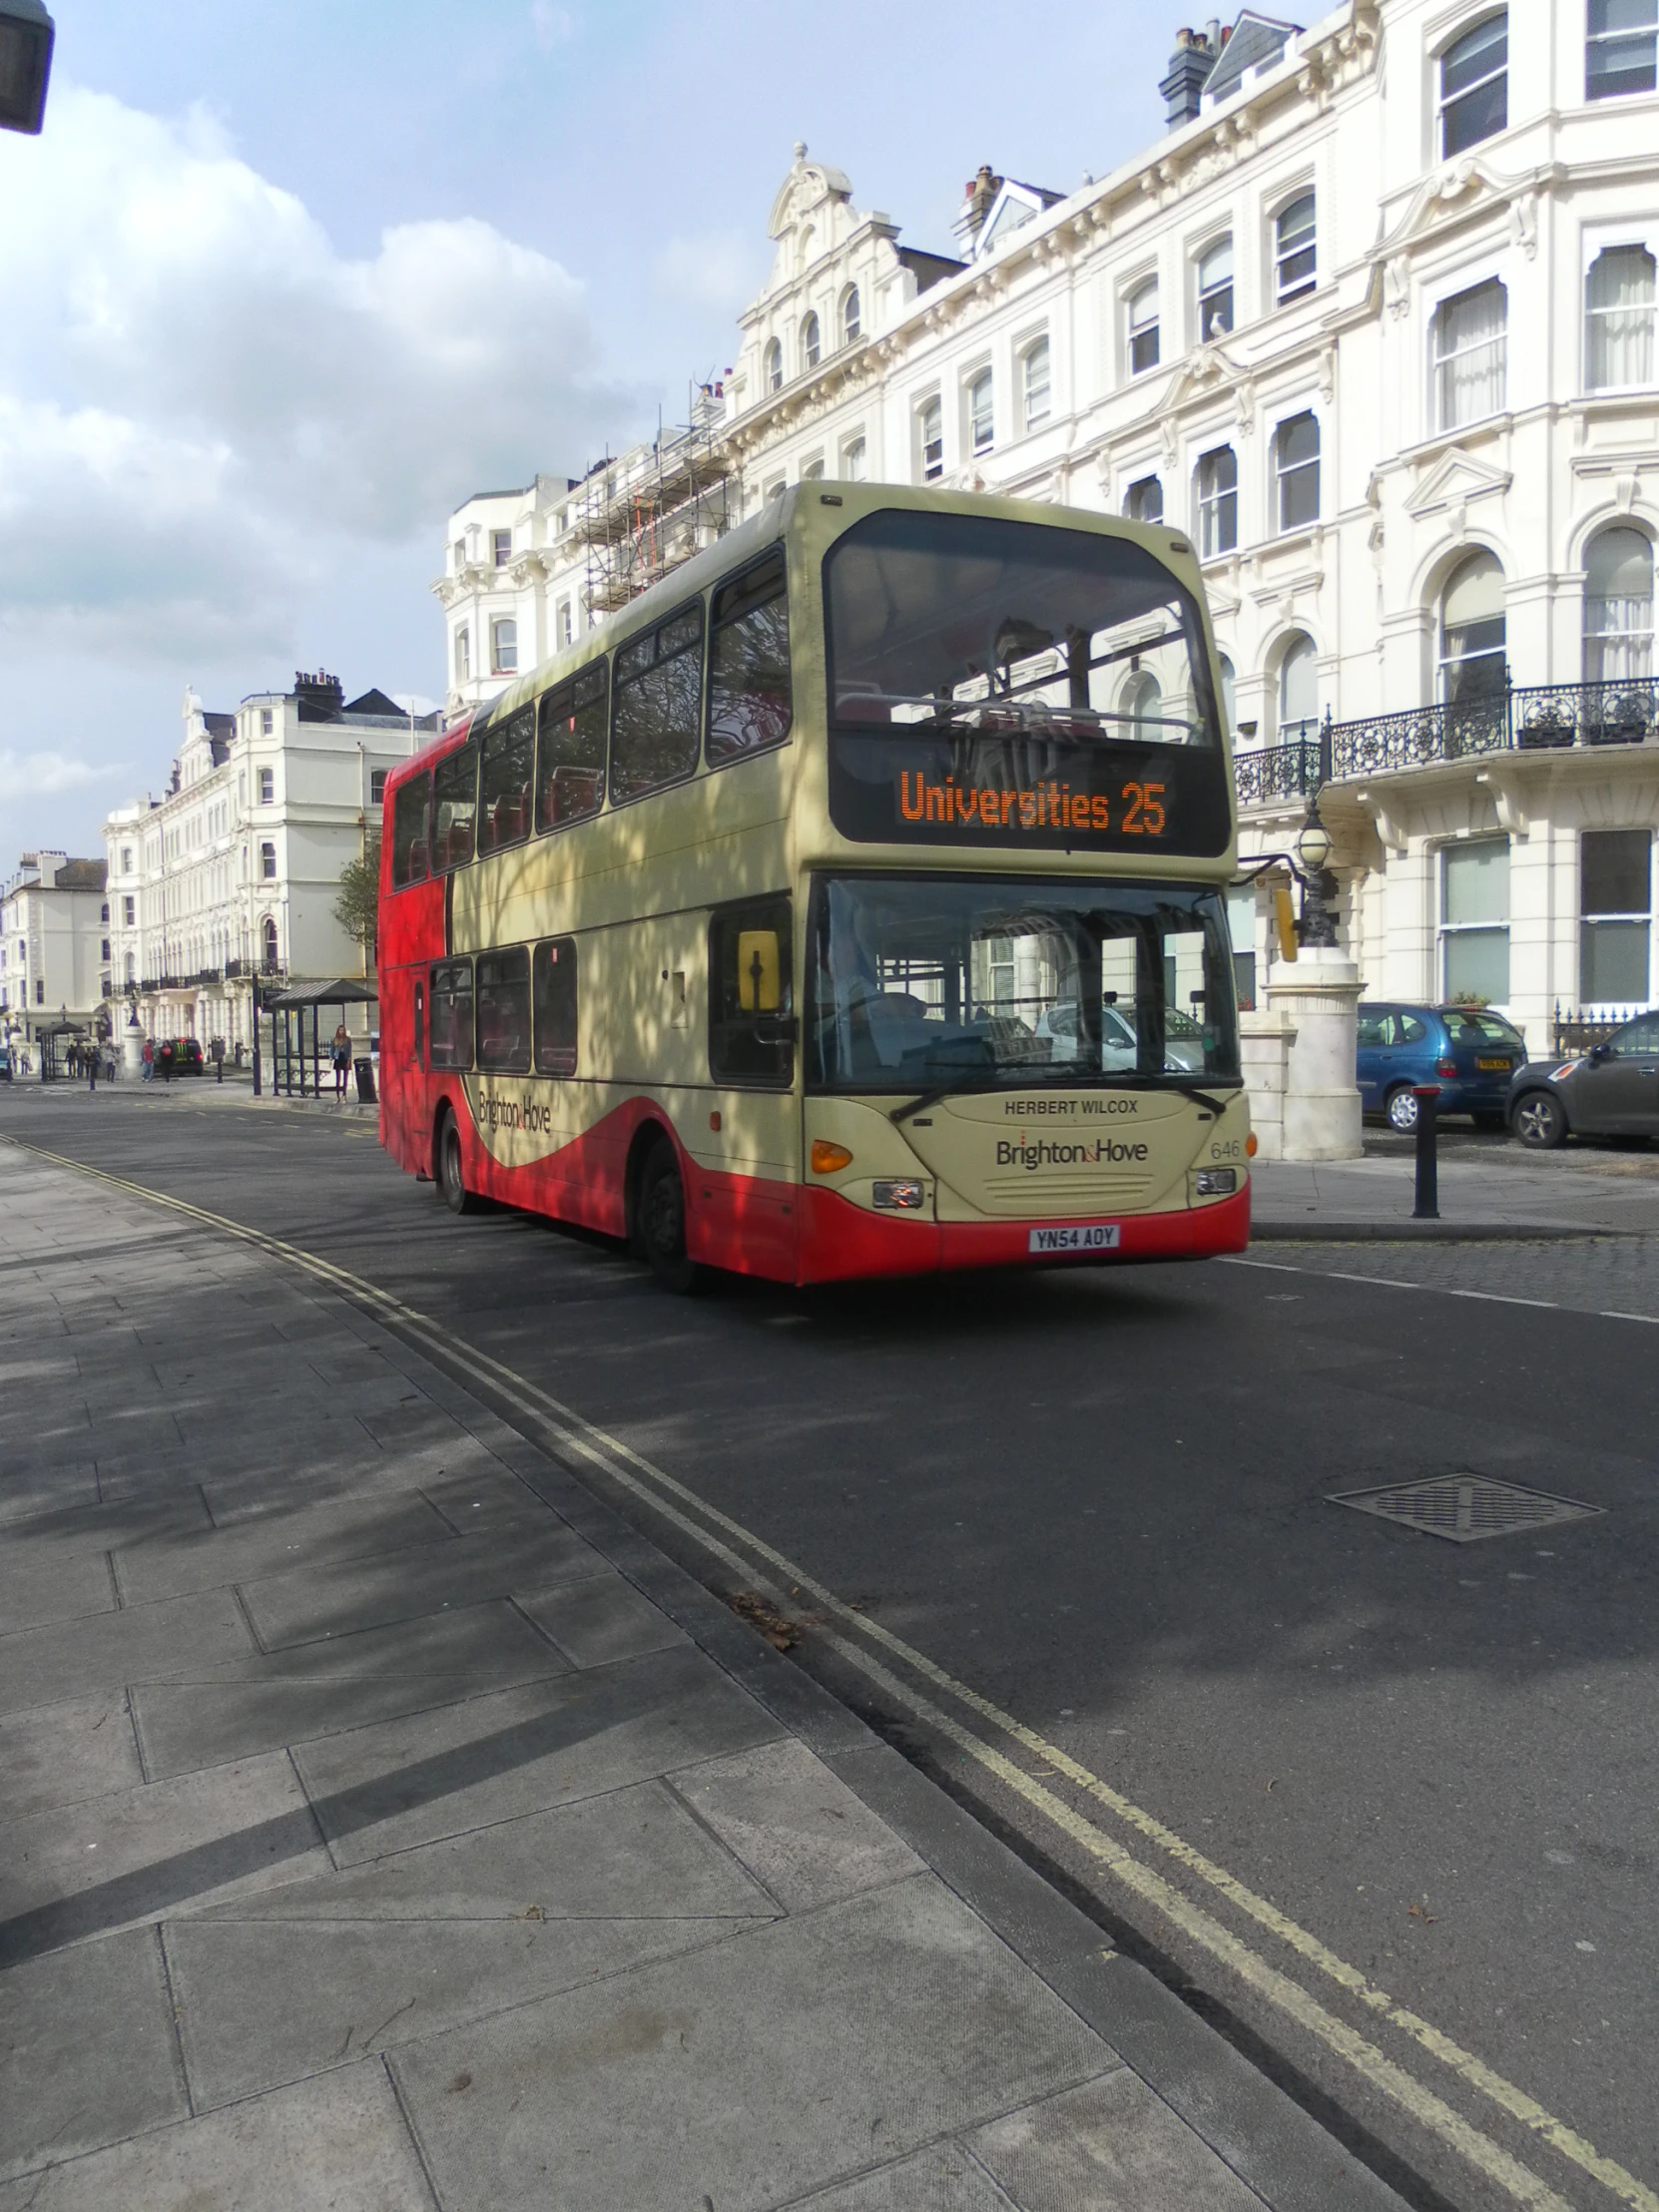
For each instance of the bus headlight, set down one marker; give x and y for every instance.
(897, 1195)
(1217, 1182)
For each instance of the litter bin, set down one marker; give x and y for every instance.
(365, 1081)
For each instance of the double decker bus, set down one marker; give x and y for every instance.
(851, 904)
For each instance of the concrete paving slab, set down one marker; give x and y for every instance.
(748, 2073)
(73, 1658)
(942, 2178)
(316, 1479)
(601, 1620)
(166, 1846)
(313, 1601)
(47, 1484)
(337, 2142)
(403, 1783)
(491, 1643)
(305, 1539)
(69, 1532)
(487, 1501)
(87, 2051)
(62, 1753)
(1112, 2145)
(37, 1589)
(795, 1826)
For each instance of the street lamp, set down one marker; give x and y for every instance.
(25, 64)
(1313, 849)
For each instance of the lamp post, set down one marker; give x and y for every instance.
(25, 64)
(1317, 927)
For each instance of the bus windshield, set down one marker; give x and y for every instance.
(969, 623)
(950, 982)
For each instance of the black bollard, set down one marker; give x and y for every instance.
(1428, 1207)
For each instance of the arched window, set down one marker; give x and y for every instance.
(1229, 694)
(1298, 697)
(852, 315)
(132, 968)
(1144, 500)
(930, 436)
(1296, 468)
(1618, 608)
(503, 645)
(1215, 291)
(268, 938)
(1294, 251)
(1142, 707)
(1473, 651)
(981, 416)
(1474, 86)
(1470, 354)
(772, 367)
(1143, 329)
(809, 346)
(1037, 389)
(1618, 318)
(852, 460)
(1218, 502)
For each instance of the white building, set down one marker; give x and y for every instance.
(236, 869)
(1374, 322)
(54, 945)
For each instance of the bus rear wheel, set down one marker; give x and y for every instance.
(451, 1181)
(660, 1221)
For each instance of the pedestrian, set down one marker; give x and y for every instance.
(149, 1060)
(342, 1057)
(92, 1067)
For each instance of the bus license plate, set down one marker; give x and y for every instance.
(1100, 1236)
(1495, 1067)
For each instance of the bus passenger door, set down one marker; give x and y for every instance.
(750, 1199)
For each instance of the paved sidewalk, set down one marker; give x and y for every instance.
(1506, 1196)
(383, 1825)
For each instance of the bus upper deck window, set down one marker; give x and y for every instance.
(749, 706)
(454, 809)
(657, 712)
(570, 759)
(507, 770)
(410, 814)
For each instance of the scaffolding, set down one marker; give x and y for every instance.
(651, 508)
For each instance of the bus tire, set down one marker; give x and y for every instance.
(451, 1177)
(660, 1221)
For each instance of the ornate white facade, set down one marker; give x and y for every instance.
(1375, 325)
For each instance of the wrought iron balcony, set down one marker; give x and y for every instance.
(1519, 717)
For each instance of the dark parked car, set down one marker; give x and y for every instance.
(1613, 1091)
(179, 1056)
(1469, 1052)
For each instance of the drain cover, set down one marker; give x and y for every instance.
(1464, 1507)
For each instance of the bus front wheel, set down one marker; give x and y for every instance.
(662, 1221)
(451, 1181)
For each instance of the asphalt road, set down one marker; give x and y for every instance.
(1099, 1500)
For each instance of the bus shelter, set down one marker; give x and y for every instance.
(299, 1057)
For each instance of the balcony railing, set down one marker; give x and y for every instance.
(1521, 718)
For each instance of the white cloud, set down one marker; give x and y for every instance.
(46, 775)
(203, 404)
(714, 268)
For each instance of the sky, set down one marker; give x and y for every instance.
(285, 281)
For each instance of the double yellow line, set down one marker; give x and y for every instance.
(858, 1639)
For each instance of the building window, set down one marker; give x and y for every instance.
(1474, 920)
(812, 470)
(1143, 329)
(1294, 251)
(1218, 502)
(125, 860)
(1618, 318)
(981, 414)
(853, 460)
(1296, 468)
(1141, 708)
(460, 551)
(1215, 291)
(772, 367)
(267, 786)
(1473, 651)
(1241, 927)
(930, 433)
(268, 721)
(376, 787)
(1229, 694)
(1618, 608)
(106, 952)
(503, 645)
(1471, 356)
(501, 547)
(1474, 86)
(40, 991)
(1038, 389)
(129, 914)
(1619, 51)
(1298, 698)
(809, 346)
(268, 941)
(566, 628)
(268, 862)
(104, 913)
(1144, 500)
(463, 655)
(852, 317)
(1615, 910)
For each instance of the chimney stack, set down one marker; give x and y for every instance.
(320, 697)
(1190, 63)
(980, 196)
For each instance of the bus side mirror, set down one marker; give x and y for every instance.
(758, 985)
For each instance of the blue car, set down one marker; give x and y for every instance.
(1469, 1052)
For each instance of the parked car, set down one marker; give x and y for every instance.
(179, 1056)
(1183, 1038)
(1612, 1091)
(1468, 1052)
(5, 1063)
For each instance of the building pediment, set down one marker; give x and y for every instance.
(1455, 480)
(1205, 372)
(1464, 186)
(805, 190)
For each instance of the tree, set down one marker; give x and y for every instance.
(359, 895)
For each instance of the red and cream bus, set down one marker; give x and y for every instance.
(852, 903)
